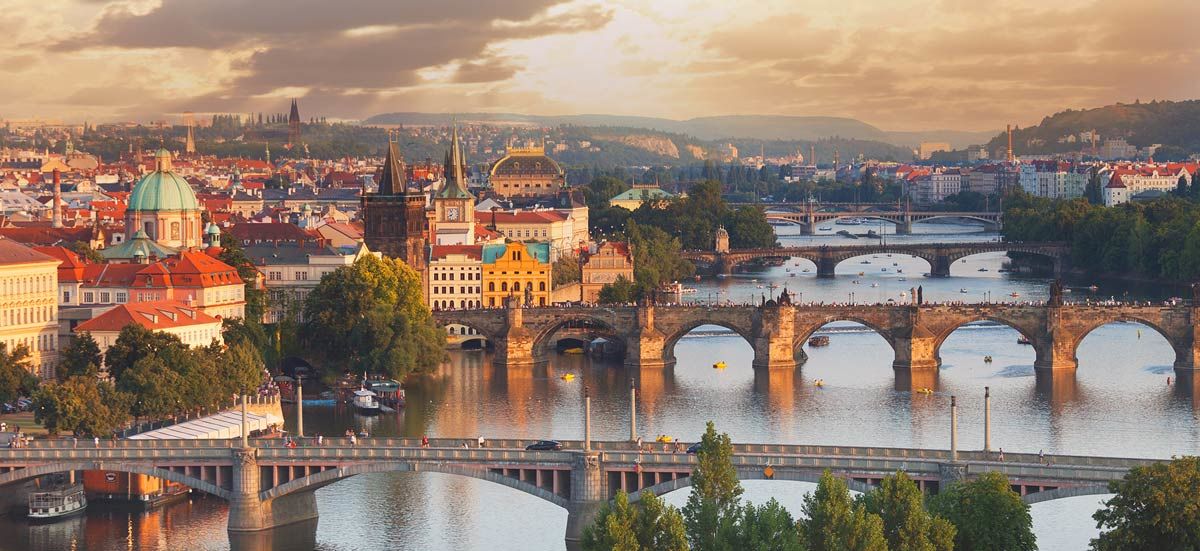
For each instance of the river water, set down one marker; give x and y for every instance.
(1117, 404)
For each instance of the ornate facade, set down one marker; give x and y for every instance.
(394, 216)
(164, 207)
(526, 172)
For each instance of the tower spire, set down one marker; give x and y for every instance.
(391, 180)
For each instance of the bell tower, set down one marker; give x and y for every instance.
(454, 206)
(394, 216)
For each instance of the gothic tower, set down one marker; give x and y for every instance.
(454, 206)
(394, 216)
(294, 124)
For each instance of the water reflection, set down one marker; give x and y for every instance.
(300, 535)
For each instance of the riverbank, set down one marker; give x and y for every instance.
(25, 420)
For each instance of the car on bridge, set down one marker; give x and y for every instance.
(694, 448)
(545, 445)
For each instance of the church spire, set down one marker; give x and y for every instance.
(456, 169)
(391, 180)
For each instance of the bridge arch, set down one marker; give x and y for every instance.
(330, 476)
(1055, 257)
(788, 475)
(543, 341)
(807, 328)
(1062, 493)
(930, 257)
(957, 216)
(1030, 334)
(1180, 349)
(682, 331)
(19, 475)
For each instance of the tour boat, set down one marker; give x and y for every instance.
(1023, 340)
(819, 340)
(57, 502)
(365, 402)
(568, 377)
(849, 222)
(719, 365)
(575, 350)
(387, 392)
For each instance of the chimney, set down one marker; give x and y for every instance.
(56, 217)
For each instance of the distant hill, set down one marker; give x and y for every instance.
(1174, 124)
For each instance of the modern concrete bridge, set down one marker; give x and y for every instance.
(268, 485)
(940, 256)
(808, 220)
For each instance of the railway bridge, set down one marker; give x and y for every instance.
(940, 256)
(778, 329)
(809, 218)
(268, 485)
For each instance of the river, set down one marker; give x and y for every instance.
(1117, 404)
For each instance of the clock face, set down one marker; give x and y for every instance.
(451, 213)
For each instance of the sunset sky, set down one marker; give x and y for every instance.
(897, 64)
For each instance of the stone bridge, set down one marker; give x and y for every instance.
(940, 256)
(809, 219)
(778, 330)
(268, 485)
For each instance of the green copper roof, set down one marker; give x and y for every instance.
(140, 246)
(162, 189)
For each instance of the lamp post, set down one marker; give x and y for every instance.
(587, 420)
(299, 406)
(953, 428)
(632, 411)
(987, 419)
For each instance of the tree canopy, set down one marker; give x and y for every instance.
(712, 505)
(1154, 507)
(623, 526)
(81, 357)
(907, 526)
(987, 513)
(834, 522)
(83, 405)
(369, 316)
(16, 377)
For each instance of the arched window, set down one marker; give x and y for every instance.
(504, 286)
(542, 286)
(491, 286)
(175, 230)
(148, 226)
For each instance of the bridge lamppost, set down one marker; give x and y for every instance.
(299, 406)
(245, 436)
(953, 428)
(632, 411)
(987, 419)
(587, 420)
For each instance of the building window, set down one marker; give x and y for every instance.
(302, 276)
(175, 230)
(491, 287)
(105, 297)
(89, 297)
(122, 297)
(275, 276)
(67, 297)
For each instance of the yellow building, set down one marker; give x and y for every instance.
(610, 261)
(29, 305)
(516, 269)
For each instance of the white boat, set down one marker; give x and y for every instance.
(963, 290)
(849, 222)
(56, 503)
(825, 228)
(365, 402)
(874, 284)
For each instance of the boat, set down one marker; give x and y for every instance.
(865, 262)
(825, 228)
(963, 290)
(791, 275)
(872, 234)
(364, 401)
(805, 270)
(719, 365)
(1023, 340)
(902, 279)
(819, 383)
(982, 270)
(899, 270)
(849, 222)
(903, 294)
(56, 502)
(387, 391)
(1014, 294)
(1093, 288)
(845, 233)
(136, 491)
(862, 273)
(987, 359)
(924, 390)
(574, 350)
(884, 269)
(894, 263)
(819, 340)
(664, 439)
(568, 377)
(874, 284)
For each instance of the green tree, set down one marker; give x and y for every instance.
(767, 527)
(712, 505)
(602, 188)
(83, 405)
(833, 522)
(156, 387)
(16, 375)
(81, 357)
(133, 343)
(1154, 507)
(906, 524)
(622, 526)
(566, 270)
(748, 229)
(370, 317)
(240, 369)
(988, 514)
(621, 291)
(657, 258)
(86, 252)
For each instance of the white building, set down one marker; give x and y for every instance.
(28, 305)
(455, 277)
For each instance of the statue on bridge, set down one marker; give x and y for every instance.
(1056, 293)
(529, 295)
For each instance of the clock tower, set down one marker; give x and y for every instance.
(454, 206)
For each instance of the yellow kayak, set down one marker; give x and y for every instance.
(719, 365)
(576, 350)
(568, 377)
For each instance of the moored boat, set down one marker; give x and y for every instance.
(819, 340)
(365, 402)
(56, 502)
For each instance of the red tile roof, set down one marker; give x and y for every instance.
(442, 251)
(521, 217)
(12, 252)
(165, 314)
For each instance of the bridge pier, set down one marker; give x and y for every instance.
(516, 349)
(646, 349)
(588, 495)
(1056, 356)
(904, 227)
(825, 266)
(808, 228)
(775, 342)
(941, 266)
(248, 512)
(916, 351)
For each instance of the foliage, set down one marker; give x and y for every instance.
(1155, 239)
(157, 386)
(16, 378)
(622, 526)
(133, 343)
(82, 405)
(86, 252)
(621, 291)
(566, 270)
(987, 513)
(1154, 508)
(81, 357)
(241, 368)
(1171, 123)
(712, 505)
(601, 189)
(834, 522)
(657, 258)
(767, 527)
(370, 317)
(906, 524)
(695, 219)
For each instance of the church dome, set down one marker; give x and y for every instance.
(526, 162)
(163, 190)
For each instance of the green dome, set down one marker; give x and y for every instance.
(163, 189)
